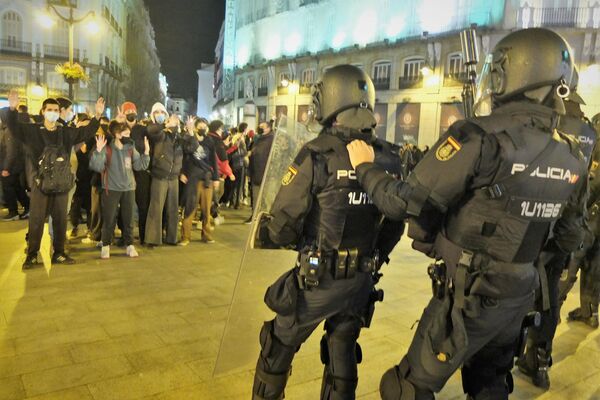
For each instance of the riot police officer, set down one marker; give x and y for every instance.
(483, 202)
(322, 211)
(538, 355)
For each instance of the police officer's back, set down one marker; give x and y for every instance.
(483, 201)
(322, 211)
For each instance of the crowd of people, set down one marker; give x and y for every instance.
(161, 173)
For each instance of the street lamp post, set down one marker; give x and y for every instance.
(71, 21)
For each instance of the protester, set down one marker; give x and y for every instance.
(143, 179)
(215, 133)
(116, 162)
(12, 167)
(200, 175)
(83, 178)
(167, 158)
(237, 159)
(51, 144)
(259, 155)
(66, 111)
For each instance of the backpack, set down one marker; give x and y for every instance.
(54, 168)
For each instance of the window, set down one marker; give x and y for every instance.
(61, 34)
(381, 75)
(308, 77)
(56, 81)
(12, 76)
(262, 81)
(455, 65)
(12, 29)
(283, 76)
(240, 86)
(381, 70)
(412, 68)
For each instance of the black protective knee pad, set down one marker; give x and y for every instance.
(339, 375)
(273, 367)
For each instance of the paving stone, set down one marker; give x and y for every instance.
(77, 393)
(51, 340)
(124, 344)
(143, 384)
(11, 388)
(39, 361)
(74, 375)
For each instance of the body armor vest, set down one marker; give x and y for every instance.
(342, 215)
(511, 218)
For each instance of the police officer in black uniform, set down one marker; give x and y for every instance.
(341, 237)
(538, 354)
(483, 202)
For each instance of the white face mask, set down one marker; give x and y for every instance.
(69, 116)
(51, 116)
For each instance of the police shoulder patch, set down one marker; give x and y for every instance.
(447, 149)
(289, 176)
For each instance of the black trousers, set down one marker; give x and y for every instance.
(13, 187)
(237, 193)
(111, 201)
(342, 304)
(143, 181)
(82, 199)
(41, 206)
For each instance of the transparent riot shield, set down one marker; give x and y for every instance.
(259, 268)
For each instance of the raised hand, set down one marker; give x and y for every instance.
(99, 108)
(172, 121)
(189, 125)
(100, 142)
(13, 99)
(146, 146)
(120, 116)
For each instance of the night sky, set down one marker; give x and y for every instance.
(186, 34)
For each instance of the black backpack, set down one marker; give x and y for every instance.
(54, 169)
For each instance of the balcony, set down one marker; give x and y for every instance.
(262, 91)
(381, 83)
(60, 52)
(410, 82)
(559, 17)
(305, 88)
(455, 79)
(9, 46)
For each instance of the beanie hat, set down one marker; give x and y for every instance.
(128, 106)
(215, 125)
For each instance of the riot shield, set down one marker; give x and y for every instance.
(259, 268)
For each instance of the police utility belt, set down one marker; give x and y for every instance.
(340, 264)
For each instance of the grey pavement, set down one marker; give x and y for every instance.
(150, 328)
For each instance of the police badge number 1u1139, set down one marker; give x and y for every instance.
(447, 149)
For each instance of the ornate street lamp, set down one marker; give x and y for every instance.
(71, 71)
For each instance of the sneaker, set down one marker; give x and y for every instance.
(30, 262)
(183, 243)
(88, 240)
(62, 258)
(25, 215)
(208, 240)
(12, 216)
(220, 220)
(131, 251)
(248, 221)
(105, 252)
(74, 233)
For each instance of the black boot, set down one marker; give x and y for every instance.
(589, 318)
(535, 365)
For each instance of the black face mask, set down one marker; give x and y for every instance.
(126, 140)
(260, 131)
(131, 117)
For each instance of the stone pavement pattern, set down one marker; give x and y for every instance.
(150, 328)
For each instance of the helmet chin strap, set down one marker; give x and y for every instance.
(354, 123)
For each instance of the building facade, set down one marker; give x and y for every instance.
(178, 106)
(205, 100)
(30, 52)
(411, 49)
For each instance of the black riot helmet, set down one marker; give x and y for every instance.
(528, 62)
(345, 93)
